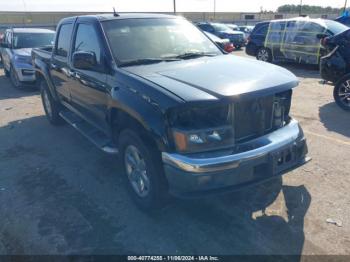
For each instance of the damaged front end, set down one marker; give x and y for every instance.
(223, 147)
(207, 127)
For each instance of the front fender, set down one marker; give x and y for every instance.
(144, 111)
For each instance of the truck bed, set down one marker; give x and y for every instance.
(43, 53)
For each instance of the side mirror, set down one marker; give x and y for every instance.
(321, 36)
(84, 60)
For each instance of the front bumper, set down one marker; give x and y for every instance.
(227, 170)
(25, 72)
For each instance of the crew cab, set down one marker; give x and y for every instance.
(184, 117)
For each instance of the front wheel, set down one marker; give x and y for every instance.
(51, 107)
(341, 93)
(264, 54)
(144, 173)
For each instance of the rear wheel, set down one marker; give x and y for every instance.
(341, 93)
(264, 54)
(51, 107)
(143, 171)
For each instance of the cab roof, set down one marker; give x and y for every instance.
(120, 16)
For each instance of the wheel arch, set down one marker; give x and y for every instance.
(120, 119)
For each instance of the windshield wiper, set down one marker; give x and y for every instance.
(189, 55)
(146, 61)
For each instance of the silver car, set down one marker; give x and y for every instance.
(16, 53)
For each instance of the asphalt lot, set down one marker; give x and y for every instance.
(61, 195)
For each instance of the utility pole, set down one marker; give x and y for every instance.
(214, 8)
(174, 6)
(300, 7)
(346, 2)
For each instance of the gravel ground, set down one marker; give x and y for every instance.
(61, 195)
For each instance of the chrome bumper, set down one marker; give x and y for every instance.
(246, 164)
(267, 144)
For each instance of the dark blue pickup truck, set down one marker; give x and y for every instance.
(184, 117)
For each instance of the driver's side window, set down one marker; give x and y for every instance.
(87, 40)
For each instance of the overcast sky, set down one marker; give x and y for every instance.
(155, 5)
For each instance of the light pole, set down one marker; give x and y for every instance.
(174, 6)
(300, 7)
(346, 2)
(214, 8)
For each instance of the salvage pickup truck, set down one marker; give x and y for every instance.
(184, 117)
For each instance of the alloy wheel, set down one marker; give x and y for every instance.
(344, 93)
(263, 55)
(136, 171)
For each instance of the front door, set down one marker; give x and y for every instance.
(89, 92)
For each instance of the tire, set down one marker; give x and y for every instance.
(143, 172)
(264, 54)
(341, 93)
(51, 107)
(14, 79)
(7, 73)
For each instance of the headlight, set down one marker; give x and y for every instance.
(23, 59)
(203, 140)
(202, 128)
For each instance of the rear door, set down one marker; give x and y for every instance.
(59, 67)
(89, 92)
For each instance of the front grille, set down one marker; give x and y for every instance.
(253, 118)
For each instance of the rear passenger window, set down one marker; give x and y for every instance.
(63, 40)
(262, 30)
(87, 40)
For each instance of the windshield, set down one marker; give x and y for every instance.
(30, 40)
(155, 38)
(221, 27)
(335, 27)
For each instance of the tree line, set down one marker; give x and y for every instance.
(309, 9)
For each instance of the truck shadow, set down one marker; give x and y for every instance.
(335, 119)
(72, 197)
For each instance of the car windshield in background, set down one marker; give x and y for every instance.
(335, 27)
(30, 40)
(221, 27)
(156, 39)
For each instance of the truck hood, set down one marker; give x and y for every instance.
(211, 78)
(23, 52)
